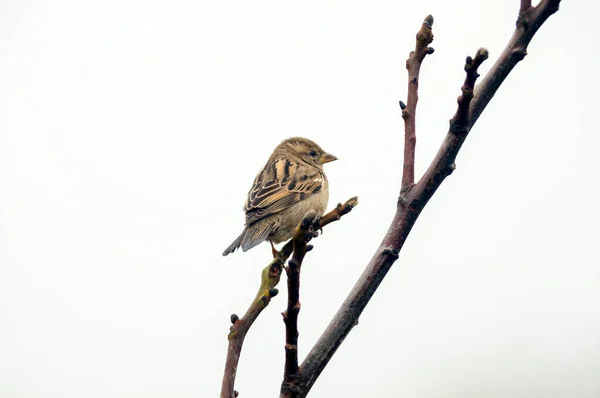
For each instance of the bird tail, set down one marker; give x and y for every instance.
(236, 243)
(250, 237)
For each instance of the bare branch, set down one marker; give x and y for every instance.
(414, 200)
(240, 326)
(302, 236)
(409, 111)
(528, 24)
(269, 279)
(460, 123)
(525, 7)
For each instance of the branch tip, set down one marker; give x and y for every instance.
(350, 204)
(483, 54)
(428, 21)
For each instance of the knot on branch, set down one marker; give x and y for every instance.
(393, 253)
(293, 263)
(459, 128)
(275, 268)
(290, 390)
(518, 54)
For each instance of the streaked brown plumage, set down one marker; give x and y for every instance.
(291, 183)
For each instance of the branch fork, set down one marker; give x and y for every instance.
(270, 276)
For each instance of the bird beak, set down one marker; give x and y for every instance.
(326, 158)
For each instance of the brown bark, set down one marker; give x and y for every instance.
(409, 111)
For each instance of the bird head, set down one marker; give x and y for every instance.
(306, 150)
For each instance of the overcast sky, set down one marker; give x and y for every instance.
(130, 133)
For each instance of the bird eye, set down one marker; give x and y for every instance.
(313, 153)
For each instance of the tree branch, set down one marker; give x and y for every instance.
(409, 111)
(237, 332)
(525, 7)
(412, 201)
(333, 215)
(270, 277)
(302, 236)
(460, 123)
(528, 22)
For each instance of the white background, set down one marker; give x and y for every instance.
(131, 131)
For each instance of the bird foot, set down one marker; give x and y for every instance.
(314, 229)
(273, 250)
(317, 228)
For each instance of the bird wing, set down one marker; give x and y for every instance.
(280, 185)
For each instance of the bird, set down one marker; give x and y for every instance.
(291, 183)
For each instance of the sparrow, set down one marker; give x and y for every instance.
(291, 183)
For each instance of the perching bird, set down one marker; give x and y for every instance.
(291, 183)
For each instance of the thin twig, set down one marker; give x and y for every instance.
(460, 123)
(409, 111)
(240, 326)
(414, 200)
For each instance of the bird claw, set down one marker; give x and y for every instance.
(317, 228)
